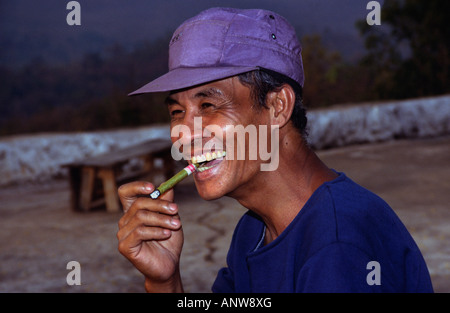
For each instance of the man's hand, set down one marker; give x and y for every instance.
(150, 236)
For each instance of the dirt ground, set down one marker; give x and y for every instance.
(40, 235)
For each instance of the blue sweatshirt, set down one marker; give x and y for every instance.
(344, 239)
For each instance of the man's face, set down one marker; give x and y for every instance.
(219, 107)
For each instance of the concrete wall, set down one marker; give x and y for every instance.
(374, 122)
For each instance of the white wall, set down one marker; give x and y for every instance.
(374, 122)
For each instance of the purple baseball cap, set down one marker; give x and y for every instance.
(224, 42)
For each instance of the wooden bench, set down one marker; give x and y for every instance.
(94, 180)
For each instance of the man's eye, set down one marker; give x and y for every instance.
(175, 112)
(206, 105)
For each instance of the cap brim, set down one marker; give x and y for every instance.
(185, 77)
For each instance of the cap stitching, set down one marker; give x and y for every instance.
(226, 36)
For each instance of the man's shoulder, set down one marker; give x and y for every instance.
(366, 221)
(346, 192)
(357, 209)
(364, 224)
(341, 211)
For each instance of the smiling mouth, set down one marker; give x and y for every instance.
(208, 160)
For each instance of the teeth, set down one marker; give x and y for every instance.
(208, 156)
(201, 158)
(201, 169)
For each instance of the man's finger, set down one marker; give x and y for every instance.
(128, 193)
(148, 219)
(128, 244)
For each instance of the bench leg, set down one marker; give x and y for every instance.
(87, 187)
(110, 189)
(75, 187)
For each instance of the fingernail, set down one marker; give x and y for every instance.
(174, 222)
(172, 207)
(148, 187)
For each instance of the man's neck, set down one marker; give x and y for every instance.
(278, 196)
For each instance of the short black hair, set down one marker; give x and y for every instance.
(263, 81)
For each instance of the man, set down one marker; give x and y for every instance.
(308, 228)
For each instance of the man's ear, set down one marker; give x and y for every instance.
(281, 104)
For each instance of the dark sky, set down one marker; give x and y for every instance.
(30, 28)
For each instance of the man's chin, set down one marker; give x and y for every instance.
(208, 194)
